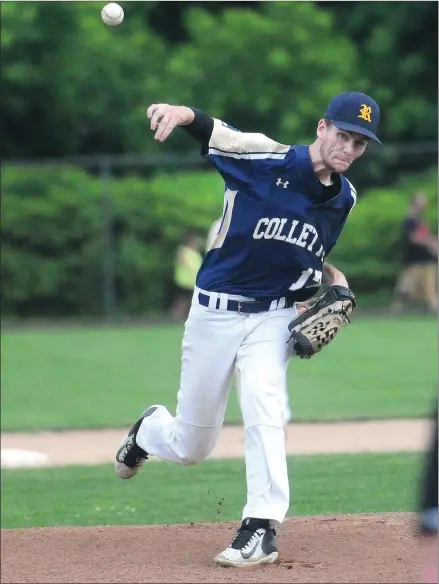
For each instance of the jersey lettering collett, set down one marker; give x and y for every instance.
(275, 230)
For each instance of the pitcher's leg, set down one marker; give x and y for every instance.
(262, 361)
(210, 343)
(287, 413)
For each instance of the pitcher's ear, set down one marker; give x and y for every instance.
(322, 127)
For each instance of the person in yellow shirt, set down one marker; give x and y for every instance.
(188, 260)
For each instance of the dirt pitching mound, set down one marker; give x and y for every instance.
(99, 446)
(352, 548)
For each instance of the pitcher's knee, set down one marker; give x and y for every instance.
(195, 443)
(195, 453)
(267, 410)
(192, 461)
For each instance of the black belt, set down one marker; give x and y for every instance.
(249, 307)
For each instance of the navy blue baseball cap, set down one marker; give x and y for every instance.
(355, 112)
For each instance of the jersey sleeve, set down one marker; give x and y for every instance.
(242, 156)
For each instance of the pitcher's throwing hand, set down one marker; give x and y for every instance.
(164, 118)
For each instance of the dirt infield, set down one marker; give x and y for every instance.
(331, 549)
(99, 446)
(356, 548)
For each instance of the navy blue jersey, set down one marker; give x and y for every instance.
(275, 231)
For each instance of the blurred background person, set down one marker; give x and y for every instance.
(187, 263)
(418, 279)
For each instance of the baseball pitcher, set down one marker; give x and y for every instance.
(284, 209)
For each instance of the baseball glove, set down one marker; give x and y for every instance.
(318, 324)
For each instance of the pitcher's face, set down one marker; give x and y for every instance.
(339, 148)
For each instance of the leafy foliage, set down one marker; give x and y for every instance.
(267, 88)
(54, 247)
(398, 59)
(54, 237)
(272, 66)
(89, 83)
(71, 86)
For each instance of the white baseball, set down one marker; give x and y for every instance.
(112, 14)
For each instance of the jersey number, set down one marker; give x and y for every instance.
(305, 276)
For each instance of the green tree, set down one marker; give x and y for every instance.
(70, 84)
(397, 44)
(273, 70)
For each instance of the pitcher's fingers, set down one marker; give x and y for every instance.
(169, 129)
(162, 124)
(152, 109)
(167, 124)
(156, 118)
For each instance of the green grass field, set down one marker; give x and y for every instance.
(78, 377)
(213, 491)
(379, 367)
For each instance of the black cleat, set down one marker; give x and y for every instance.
(254, 543)
(130, 457)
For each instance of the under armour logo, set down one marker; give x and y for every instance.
(282, 183)
(365, 113)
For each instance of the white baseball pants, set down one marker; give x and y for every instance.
(215, 342)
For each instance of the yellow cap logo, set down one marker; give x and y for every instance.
(365, 113)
